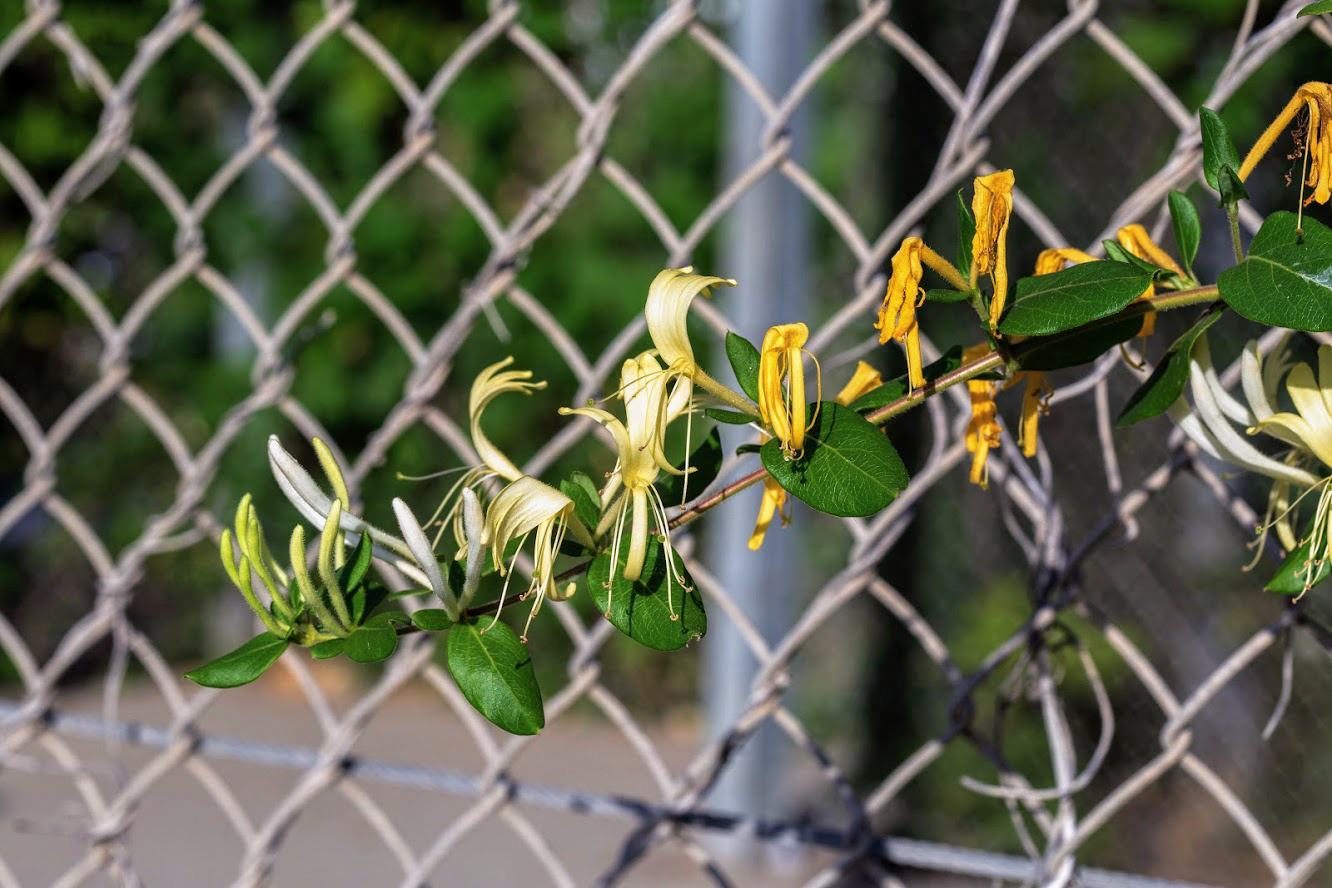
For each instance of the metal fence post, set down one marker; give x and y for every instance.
(766, 248)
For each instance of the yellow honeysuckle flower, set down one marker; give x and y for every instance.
(1052, 260)
(992, 205)
(865, 380)
(638, 442)
(526, 506)
(783, 409)
(1137, 241)
(1035, 404)
(774, 503)
(667, 313)
(1314, 137)
(983, 431)
(897, 316)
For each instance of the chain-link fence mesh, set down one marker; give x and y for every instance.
(1063, 681)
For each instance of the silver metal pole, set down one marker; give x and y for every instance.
(766, 248)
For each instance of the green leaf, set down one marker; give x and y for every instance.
(432, 619)
(1231, 188)
(1318, 8)
(1167, 381)
(494, 672)
(730, 417)
(642, 608)
(1188, 228)
(1074, 349)
(948, 294)
(704, 463)
(966, 231)
(586, 507)
(354, 571)
(585, 482)
(327, 650)
(364, 599)
(1286, 281)
(1115, 252)
(369, 644)
(241, 666)
(849, 467)
(1294, 571)
(1051, 303)
(1218, 147)
(895, 389)
(744, 358)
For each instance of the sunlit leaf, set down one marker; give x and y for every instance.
(241, 666)
(494, 672)
(848, 467)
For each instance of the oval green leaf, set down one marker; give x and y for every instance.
(730, 417)
(587, 506)
(1167, 381)
(1218, 147)
(431, 619)
(643, 608)
(966, 231)
(1073, 349)
(370, 644)
(744, 358)
(326, 650)
(494, 672)
(1052, 303)
(1287, 280)
(849, 468)
(1188, 227)
(241, 666)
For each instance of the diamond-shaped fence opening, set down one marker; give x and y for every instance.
(222, 221)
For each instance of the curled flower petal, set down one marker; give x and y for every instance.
(783, 409)
(489, 384)
(897, 316)
(992, 205)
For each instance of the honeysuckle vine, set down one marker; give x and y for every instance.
(500, 534)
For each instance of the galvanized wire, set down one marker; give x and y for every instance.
(1054, 816)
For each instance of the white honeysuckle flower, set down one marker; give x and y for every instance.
(1212, 422)
(1307, 431)
(528, 506)
(424, 554)
(489, 384)
(667, 314)
(638, 444)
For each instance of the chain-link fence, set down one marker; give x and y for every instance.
(1063, 681)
